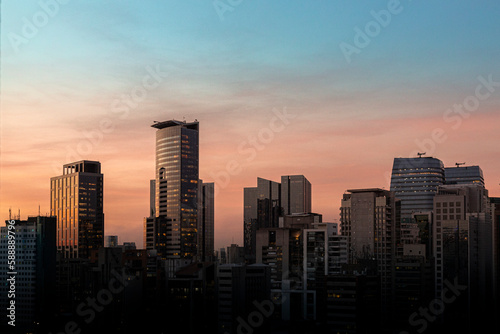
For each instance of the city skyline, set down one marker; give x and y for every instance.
(275, 98)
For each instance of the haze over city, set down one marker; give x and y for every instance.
(274, 87)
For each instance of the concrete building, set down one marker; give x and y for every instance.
(33, 269)
(370, 219)
(463, 239)
(76, 199)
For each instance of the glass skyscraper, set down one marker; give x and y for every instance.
(464, 175)
(295, 194)
(415, 182)
(176, 185)
(76, 198)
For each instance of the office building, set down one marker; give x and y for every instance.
(464, 175)
(267, 203)
(240, 290)
(262, 208)
(76, 199)
(206, 221)
(370, 219)
(463, 239)
(415, 181)
(34, 272)
(176, 185)
(295, 194)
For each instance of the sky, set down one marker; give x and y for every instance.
(332, 90)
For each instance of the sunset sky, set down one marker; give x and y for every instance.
(356, 83)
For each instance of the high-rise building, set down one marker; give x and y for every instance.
(295, 194)
(262, 208)
(206, 221)
(33, 270)
(176, 185)
(240, 289)
(370, 219)
(464, 175)
(266, 203)
(76, 198)
(415, 181)
(463, 239)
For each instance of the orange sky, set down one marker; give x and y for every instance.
(334, 154)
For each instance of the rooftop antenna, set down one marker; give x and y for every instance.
(10, 213)
(459, 163)
(38, 209)
(420, 154)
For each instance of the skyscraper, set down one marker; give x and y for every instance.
(370, 219)
(76, 198)
(262, 208)
(176, 185)
(206, 221)
(464, 175)
(463, 242)
(415, 182)
(295, 194)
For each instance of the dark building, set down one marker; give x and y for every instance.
(33, 270)
(266, 203)
(370, 219)
(353, 302)
(191, 298)
(242, 292)
(262, 208)
(206, 223)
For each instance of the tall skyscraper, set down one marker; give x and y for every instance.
(370, 219)
(176, 185)
(76, 198)
(206, 221)
(464, 175)
(463, 242)
(415, 182)
(266, 203)
(295, 194)
(262, 208)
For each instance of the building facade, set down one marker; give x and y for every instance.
(34, 271)
(415, 181)
(76, 199)
(176, 185)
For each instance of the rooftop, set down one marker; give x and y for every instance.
(173, 122)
